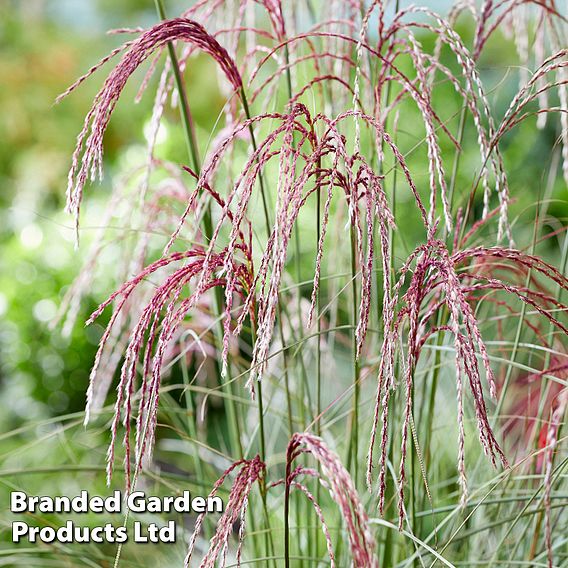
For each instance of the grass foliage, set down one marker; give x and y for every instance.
(344, 312)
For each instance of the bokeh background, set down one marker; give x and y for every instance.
(44, 46)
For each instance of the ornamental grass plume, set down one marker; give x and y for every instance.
(341, 178)
(87, 158)
(168, 297)
(249, 473)
(355, 180)
(436, 284)
(336, 479)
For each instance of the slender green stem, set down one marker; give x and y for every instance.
(185, 111)
(286, 517)
(286, 375)
(191, 419)
(191, 142)
(262, 439)
(244, 102)
(268, 542)
(318, 322)
(456, 165)
(303, 383)
(318, 354)
(317, 311)
(353, 448)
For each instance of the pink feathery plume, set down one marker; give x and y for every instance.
(241, 193)
(438, 280)
(365, 177)
(434, 269)
(157, 333)
(377, 207)
(535, 87)
(290, 199)
(473, 95)
(87, 158)
(249, 472)
(489, 153)
(342, 490)
(234, 278)
(482, 23)
(122, 295)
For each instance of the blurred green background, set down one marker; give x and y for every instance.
(44, 46)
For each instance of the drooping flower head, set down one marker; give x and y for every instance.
(340, 485)
(88, 155)
(249, 472)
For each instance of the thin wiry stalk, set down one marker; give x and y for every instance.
(189, 131)
(185, 112)
(300, 354)
(318, 414)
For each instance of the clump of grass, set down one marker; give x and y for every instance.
(249, 472)
(331, 149)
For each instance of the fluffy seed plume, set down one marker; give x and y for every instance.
(249, 472)
(88, 155)
(436, 283)
(337, 480)
(166, 298)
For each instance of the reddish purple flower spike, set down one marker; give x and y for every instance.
(156, 334)
(250, 471)
(436, 283)
(337, 480)
(87, 158)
